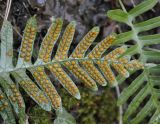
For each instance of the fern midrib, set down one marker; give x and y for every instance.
(60, 62)
(136, 38)
(143, 60)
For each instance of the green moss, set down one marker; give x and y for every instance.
(39, 116)
(93, 108)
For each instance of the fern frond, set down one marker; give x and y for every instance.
(90, 68)
(144, 84)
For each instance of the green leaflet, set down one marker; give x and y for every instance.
(155, 80)
(6, 45)
(155, 118)
(63, 117)
(144, 112)
(142, 7)
(131, 89)
(150, 39)
(7, 114)
(147, 25)
(152, 56)
(123, 37)
(118, 15)
(133, 106)
(131, 51)
(14, 97)
(125, 17)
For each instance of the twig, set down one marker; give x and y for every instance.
(132, 1)
(7, 9)
(120, 107)
(27, 118)
(26, 9)
(13, 27)
(122, 6)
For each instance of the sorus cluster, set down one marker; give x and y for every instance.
(118, 63)
(107, 73)
(81, 74)
(134, 64)
(122, 61)
(3, 104)
(101, 47)
(28, 40)
(94, 73)
(120, 66)
(47, 86)
(120, 69)
(65, 80)
(66, 41)
(16, 97)
(115, 53)
(33, 90)
(85, 43)
(1, 96)
(49, 40)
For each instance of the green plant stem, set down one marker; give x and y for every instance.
(7, 9)
(120, 107)
(60, 62)
(143, 60)
(136, 38)
(122, 6)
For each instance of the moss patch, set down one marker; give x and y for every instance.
(93, 108)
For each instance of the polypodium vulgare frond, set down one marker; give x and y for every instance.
(91, 68)
(144, 88)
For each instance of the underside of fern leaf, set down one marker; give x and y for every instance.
(145, 86)
(6, 109)
(90, 68)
